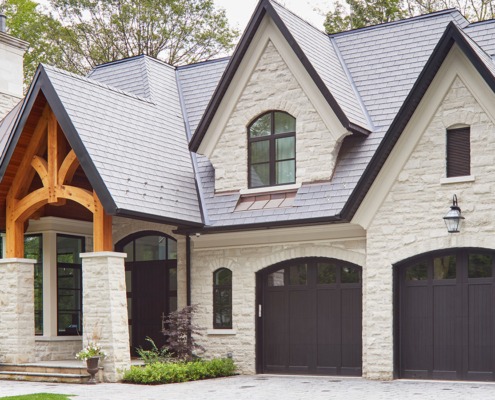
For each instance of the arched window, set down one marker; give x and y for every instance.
(272, 150)
(222, 299)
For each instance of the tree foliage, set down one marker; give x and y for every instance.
(77, 35)
(26, 22)
(176, 31)
(355, 14)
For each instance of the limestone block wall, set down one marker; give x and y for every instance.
(53, 349)
(244, 262)
(7, 103)
(272, 86)
(123, 227)
(421, 200)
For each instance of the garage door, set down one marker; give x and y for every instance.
(446, 316)
(311, 318)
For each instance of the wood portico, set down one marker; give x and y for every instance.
(43, 177)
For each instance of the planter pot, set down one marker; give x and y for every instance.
(92, 365)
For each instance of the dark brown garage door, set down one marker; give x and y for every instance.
(446, 316)
(310, 318)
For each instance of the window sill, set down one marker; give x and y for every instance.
(457, 179)
(73, 338)
(221, 332)
(271, 189)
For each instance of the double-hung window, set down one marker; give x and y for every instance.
(272, 150)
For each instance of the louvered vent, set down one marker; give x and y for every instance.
(458, 152)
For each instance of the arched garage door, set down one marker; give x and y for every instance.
(447, 316)
(310, 318)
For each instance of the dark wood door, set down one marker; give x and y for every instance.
(149, 301)
(447, 316)
(311, 318)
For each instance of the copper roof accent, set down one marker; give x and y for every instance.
(266, 201)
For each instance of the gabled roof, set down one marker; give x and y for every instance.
(480, 60)
(129, 121)
(133, 149)
(314, 50)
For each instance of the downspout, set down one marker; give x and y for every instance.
(188, 269)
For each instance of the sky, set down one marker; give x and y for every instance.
(239, 11)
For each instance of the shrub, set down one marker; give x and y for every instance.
(179, 333)
(154, 354)
(156, 373)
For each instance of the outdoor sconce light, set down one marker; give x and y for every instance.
(453, 217)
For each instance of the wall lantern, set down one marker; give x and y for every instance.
(453, 217)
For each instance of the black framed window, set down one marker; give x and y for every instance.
(458, 152)
(69, 284)
(272, 150)
(222, 299)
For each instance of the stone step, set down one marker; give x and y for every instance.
(43, 377)
(43, 372)
(35, 368)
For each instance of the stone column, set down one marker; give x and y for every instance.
(105, 310)
(16, 310)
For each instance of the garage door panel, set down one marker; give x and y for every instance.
(416, 343)
(301, 329)
(329, 332)
(351, 328)
(447, 316)
(481, 334)
(446, 328)
(275, 346)
(309, 310)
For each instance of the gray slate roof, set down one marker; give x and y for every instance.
(137, 144)
(135, 117)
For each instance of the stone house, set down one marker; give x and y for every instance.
(295, 192)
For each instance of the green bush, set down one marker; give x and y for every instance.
(156, 373)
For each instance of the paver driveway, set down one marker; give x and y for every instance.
(267, 387)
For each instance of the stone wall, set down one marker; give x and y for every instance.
(57, 348)
(244, 262)
(272, 86)
(421, 200)
(7, 103)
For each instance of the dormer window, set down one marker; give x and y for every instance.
(458, 152)
(272, 150)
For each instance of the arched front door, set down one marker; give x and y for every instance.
(446, 316)
(309, 317)
(151, 284)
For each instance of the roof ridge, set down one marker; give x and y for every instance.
(95, 82)
(397, 22)
(350, 78)
(200, 63)
(298, 16)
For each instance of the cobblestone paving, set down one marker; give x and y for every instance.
(261, 387)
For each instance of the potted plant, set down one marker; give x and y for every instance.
(92, 354)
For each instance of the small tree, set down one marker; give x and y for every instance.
(179, 330)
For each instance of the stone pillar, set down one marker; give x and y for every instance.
(105, 310)
(16, 310)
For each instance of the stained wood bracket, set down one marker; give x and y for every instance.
(56, 172)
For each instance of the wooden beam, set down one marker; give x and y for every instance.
(41, 167)
(24, 174)
(52, 157)
(68, 168)
(102, 227)
(14, 236)
(82, 196)
(29, 204)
